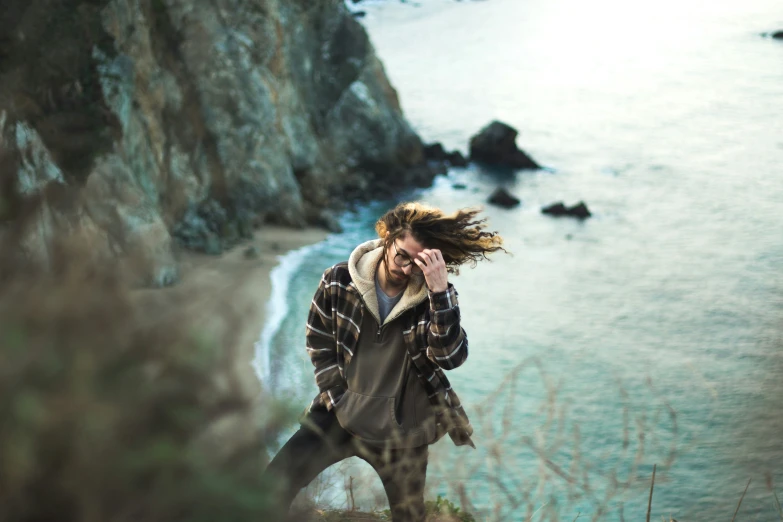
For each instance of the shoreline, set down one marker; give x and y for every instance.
(277, 306)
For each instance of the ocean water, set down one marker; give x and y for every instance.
(650, 334)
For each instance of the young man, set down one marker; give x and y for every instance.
(382, 328)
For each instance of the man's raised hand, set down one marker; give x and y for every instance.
(433, 267)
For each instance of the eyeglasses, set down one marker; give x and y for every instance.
(404, 260)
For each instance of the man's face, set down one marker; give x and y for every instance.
(403, 251)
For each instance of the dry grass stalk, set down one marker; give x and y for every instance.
(564, 470)
(777, 504)
(740, 500)
(652, 485)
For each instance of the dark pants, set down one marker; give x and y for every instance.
(321, 442)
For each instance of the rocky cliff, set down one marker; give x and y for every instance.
(140, 123)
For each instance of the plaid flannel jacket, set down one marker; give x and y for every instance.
(433, 337)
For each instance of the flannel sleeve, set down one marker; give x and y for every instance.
(447, 341)
(321, 344)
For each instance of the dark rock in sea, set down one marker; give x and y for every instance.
(496, 144)
(580, 211)
(359, 14)
(502, 198)
(459, 186)
(778, 35)
(555, 209)
(456, 159)
(435, 152)
(558, 209)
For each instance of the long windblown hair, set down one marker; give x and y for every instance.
(460, 236)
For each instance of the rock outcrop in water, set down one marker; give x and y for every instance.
(496, 144)
(436, 153)
(503, 198)
(141, 122)
(559, 209)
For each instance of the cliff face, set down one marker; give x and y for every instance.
(143, 122)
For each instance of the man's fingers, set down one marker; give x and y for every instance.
(431, 255)
(424, 265)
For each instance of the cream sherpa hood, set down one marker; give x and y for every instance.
(363, 264)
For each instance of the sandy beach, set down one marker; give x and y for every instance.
(234, 285)
(226, 296)
(223, 299)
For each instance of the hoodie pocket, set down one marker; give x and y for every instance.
(367, 417)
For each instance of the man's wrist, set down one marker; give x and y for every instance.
(443, 300)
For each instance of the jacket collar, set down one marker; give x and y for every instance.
(363, 265)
